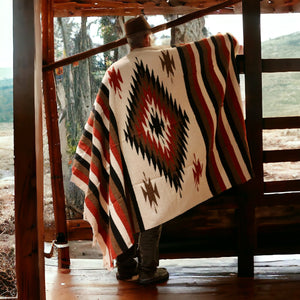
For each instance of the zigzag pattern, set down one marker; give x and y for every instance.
(156, 125)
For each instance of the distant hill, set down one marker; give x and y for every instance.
(281, 91)
(6, 94)
(287, 46)
(6, 100)
(6, 73)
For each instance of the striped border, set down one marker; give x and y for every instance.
(100, 167)
(220, 119)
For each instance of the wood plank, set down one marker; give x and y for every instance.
(281, 65)
(282, 186)
(190, 279)
(131, 7)
(287, 198)
(281, 123)
(152, 7)
(27, 149)
(272, 65)
(270, 156)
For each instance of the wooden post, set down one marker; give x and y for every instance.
(28, 150)
(53, 136)
(253, 88)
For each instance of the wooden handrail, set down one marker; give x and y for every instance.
(123, 41)
(282, 186)
(285, 155)
(281, 122)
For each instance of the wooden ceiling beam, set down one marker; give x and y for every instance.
(64, 8)
(67, 8)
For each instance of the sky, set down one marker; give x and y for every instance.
(6, 44)
(271, 27)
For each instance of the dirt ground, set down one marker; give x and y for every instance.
(273, 139)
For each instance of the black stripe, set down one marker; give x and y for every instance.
(221, 67)
(224, 71)
(97, 153)
(82, 161)
(239, 138)
(196, 114)
(88, 135)
(225, 163)
(95, 192)
(104, 131)
(117, 182)
(233, 58)
(130, 190)
(204, 71)
(117, 235)
(104, 90)
(127, 180)
(213, 186)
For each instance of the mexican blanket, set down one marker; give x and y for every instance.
(166, 133)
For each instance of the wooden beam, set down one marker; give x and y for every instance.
(271, 156)
(132, 7)
(53, 137)
(287, 198)
(281, 65)
(28, 150)
(253, 90)
(272, 65)
(282, 186)
(179, 21)
(281, 123)
(94, 8)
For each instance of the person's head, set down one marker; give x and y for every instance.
(138, 32)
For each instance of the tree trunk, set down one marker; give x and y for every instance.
(188, 32)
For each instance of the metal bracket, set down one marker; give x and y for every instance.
(57, 246)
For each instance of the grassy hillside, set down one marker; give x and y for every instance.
(6, 100)
(6, 73)
(287, 46)
(281, 91)
(6, 95)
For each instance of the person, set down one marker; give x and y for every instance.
(140, 263)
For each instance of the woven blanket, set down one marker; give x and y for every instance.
(166, 133)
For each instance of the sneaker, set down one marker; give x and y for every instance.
(159, 276)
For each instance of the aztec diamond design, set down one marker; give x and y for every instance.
(156, 125)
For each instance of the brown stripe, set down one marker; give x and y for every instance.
(115, 246)
(96, 203)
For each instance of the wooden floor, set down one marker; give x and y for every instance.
(276, 277)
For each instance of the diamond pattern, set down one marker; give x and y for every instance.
(156, 127)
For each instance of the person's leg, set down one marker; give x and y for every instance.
(148, 252)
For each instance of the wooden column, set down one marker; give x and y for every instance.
(28, 150)
(253, 89)
(58, 194)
